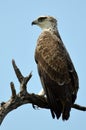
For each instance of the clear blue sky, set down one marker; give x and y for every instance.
(18, 41)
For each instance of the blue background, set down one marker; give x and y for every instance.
(18, 41)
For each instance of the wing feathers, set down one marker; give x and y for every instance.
(57, 73)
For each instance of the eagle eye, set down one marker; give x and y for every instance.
(41, 19)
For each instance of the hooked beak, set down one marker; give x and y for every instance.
(34, 22)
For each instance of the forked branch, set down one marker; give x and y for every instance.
(23, 97)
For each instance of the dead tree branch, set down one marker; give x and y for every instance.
(23, 97)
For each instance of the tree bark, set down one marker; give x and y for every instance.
(24, 97)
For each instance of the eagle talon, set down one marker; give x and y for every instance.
(34, 106)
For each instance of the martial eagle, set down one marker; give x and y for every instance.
(57, 73)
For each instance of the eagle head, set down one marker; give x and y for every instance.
(45, 22)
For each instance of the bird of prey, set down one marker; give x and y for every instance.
(57, 73)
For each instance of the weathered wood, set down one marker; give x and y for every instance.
(23, 97)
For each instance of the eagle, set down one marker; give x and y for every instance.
(58, 76)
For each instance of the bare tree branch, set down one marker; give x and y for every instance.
(23, 97)
(78, 107)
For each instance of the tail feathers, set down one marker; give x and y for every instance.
(66, 111)
(55, 105)
(56, 111)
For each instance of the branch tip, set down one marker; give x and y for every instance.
(17, 71)
(30, 75)
(79, 107)
(27, 78)
(13, 61)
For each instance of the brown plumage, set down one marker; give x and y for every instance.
(57, 73)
